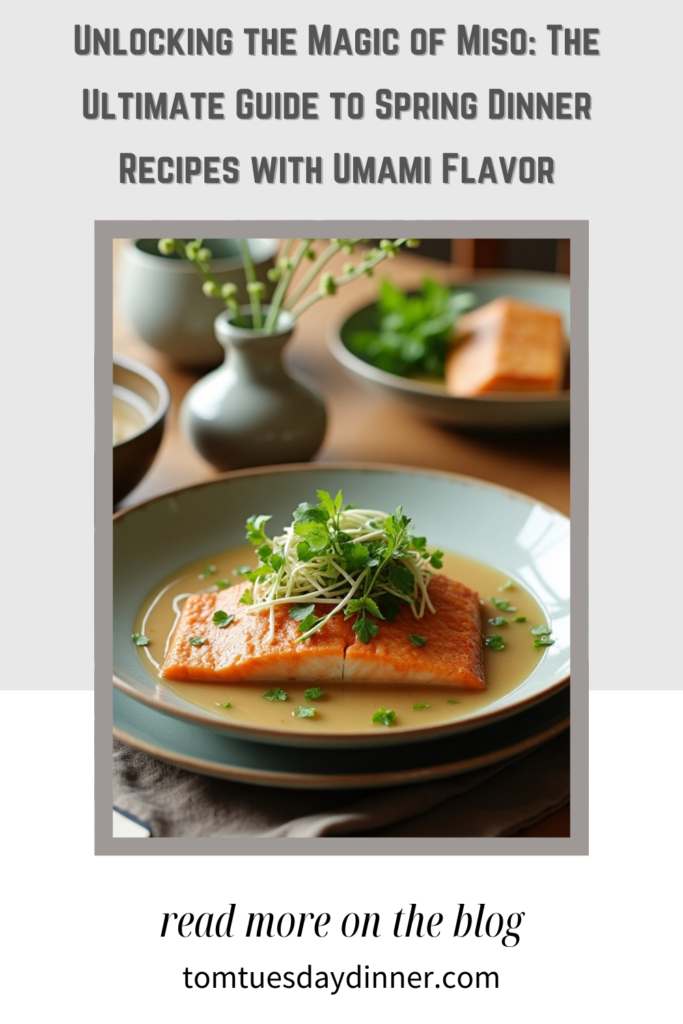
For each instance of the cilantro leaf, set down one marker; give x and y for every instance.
(197, 641)
(313, 693)
(222, 584)
(222, 619)
(422, 704)
(401, 578)
(247, 597)
(140, 640)
(495, 642)
(436, 560)
(356, 555)
(298, 612)
(365, 629)
(306, 513)
(303, 552)
(276, 561)
(308, 623)
(543, 641)
(540, 630)
(275, 694)
(519, 618)
(498, 621)
(362, 604)
(390, 606)
(501, 603)
(315, 535)
(255, 532)
(327, 503)
(417, 641)
(383, 717)
(301, 712)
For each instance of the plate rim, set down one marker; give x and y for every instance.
(299, 780)
(413, 734)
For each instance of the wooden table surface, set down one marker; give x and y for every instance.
(365, 426)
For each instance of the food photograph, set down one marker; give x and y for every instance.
(341, 540)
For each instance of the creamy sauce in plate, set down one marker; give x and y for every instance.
(347, 708)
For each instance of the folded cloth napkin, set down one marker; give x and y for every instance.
(496, 801)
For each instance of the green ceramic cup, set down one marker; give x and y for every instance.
(161, 296)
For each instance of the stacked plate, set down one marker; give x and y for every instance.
(523, 540)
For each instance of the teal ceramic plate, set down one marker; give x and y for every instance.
(527, 411)
(201, 750)
(522, 538)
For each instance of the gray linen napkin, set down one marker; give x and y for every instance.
(495, 801)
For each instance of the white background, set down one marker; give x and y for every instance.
(601, 932)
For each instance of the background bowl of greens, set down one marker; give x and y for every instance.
(398, 345)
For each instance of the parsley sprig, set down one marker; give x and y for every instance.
(361, 562)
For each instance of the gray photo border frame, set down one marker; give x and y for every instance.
(105, 232)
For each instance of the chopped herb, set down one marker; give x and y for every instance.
(222, 619)
(208, 570)
(504, 605)
(422, 704)
(140, 640)
(519, 618)
(242, 571)
(495, 642)
(543, 641)
(498, 621)
(452, 701)
(508, 585)
(197, 641)
(313, 693)
(308, 623)
(417, 641)
(540, 630)
(222, 584)
(302, 712)
(247, 597)
(436, 561)
(227, 704)
(298, 612)
(275, 694)
(383, 717)
(365, 629)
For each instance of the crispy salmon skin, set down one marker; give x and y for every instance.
(241, 651)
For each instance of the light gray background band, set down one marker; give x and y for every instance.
(105, 233)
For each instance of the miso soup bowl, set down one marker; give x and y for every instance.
(162, 299)
(134, 456)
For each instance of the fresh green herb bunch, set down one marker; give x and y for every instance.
(314, 285)
(414, 332)
(361, 562)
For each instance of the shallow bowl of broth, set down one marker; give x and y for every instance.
(504, 545)
(140, 403)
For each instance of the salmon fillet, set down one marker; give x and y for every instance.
(507, 346)
(239, 652)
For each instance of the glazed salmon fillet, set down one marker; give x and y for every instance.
(453, 652)
(241, 651)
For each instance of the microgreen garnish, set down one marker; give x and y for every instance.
(498, 621)
(140, 640)
(452, 701)
(543, 641)
(417, 641)
(508, 585)
(422, 704)
(302, 712)
(197, 641)
(227, 704)
(222, 584)
(208, 570)
(313, 693)
(361, 562)
(298, 612)
(519, 618)
(275, 694)
(501, 603)
(383, 717)
(495, 642)
(540, 630)
(247, 597)
(222, 619)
